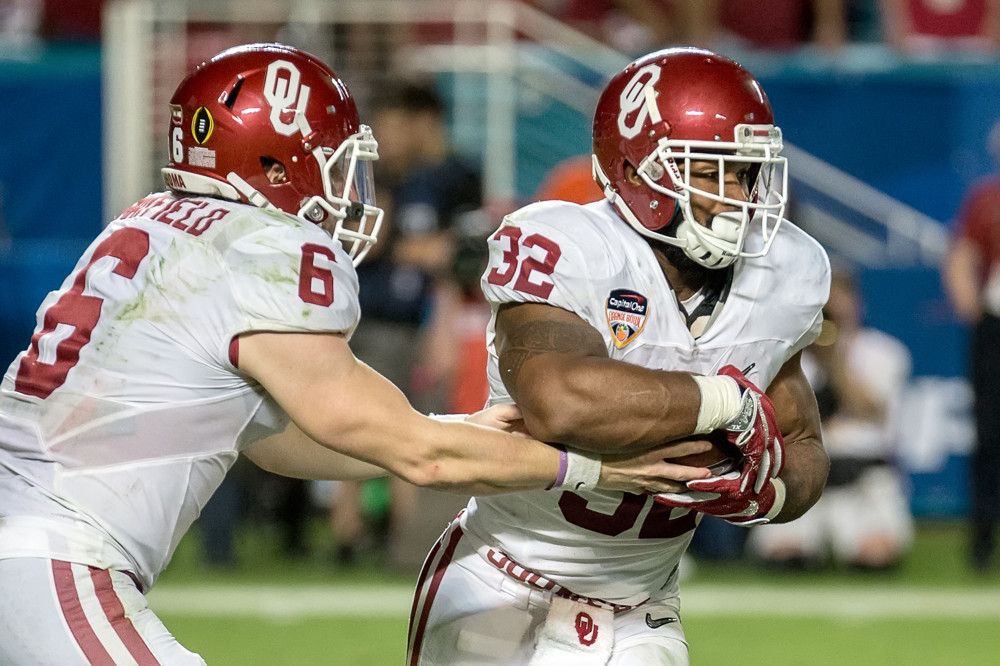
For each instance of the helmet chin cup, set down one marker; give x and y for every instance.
(717, 246)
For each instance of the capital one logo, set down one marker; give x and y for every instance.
(586, 630)
(283, 91)
(634, 111)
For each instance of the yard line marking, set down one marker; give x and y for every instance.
(282, 601)
(293, 602)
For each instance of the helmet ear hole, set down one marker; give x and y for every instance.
(273, 169)
(631, 175)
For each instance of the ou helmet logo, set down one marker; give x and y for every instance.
(283, 91)
(633, 100)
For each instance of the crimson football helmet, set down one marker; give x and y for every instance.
(670, 108)
(237, 115)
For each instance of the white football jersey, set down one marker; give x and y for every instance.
(617, 546)
(121, 419)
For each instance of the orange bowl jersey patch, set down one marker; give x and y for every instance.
(626, 312)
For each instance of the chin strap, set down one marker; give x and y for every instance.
(192, 183)
(252, 195)
(184, 181)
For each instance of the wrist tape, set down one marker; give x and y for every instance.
(720, 402)
(578, 470)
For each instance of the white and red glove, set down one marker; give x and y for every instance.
(754, 494)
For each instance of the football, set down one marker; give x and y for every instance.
(724, 456)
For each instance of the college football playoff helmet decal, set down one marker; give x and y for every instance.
(669, 109)
(272, 126)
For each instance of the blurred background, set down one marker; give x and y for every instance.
(481, 106)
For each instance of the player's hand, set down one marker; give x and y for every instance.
(501, 417)
(755, 431)
(729, 497)
(753, 494)
(650, 471)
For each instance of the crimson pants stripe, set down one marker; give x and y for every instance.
(424, 569)
(85, 635)
(115, 613)
(418, 628)
(79, 626)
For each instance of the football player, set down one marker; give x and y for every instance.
(614, 325)
(211, 320)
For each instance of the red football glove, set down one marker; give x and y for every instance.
(729, 497)
(753, 494)
(755, 431)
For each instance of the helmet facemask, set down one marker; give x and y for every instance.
(347, 208)
(667, 171)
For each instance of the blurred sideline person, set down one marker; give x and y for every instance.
(863, 519)
(633, 26)
(611, 323)
(971, 277)
(204, 322)
(932, 28)
(407, 333)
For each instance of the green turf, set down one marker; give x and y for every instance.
(241, 642)
(809, 642)
(937, 562)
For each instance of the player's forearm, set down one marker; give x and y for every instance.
(346, 406)
(294, 454)
(383, 429)
(806, 467)
(606, 406)
(806, 461)
(461, 457)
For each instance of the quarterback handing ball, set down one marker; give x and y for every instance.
(724, 456)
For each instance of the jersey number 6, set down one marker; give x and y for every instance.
(68, 323)
(527, 267)
(315, 280)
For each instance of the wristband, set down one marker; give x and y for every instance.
(720, 402)
(582, 470)
(563, 464)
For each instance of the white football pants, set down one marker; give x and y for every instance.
(467, 611)
(56, 613)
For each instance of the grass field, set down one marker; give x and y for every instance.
(273, 611)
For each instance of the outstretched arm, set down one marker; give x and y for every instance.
(346, 406)
(294, 453)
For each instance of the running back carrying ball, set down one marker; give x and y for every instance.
(724, 456)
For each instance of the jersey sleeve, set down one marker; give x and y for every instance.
(293, 278)
(546, 253)
(789, 300)
(809, 290)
